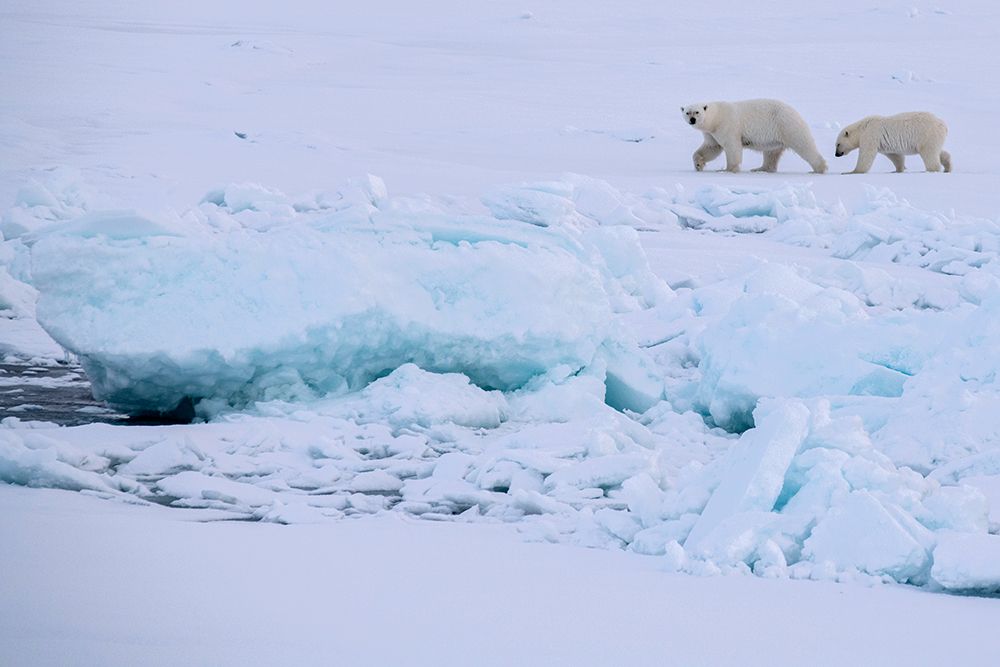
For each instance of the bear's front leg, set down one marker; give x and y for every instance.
(866, 156)
(733, 146)
(734, 157)
(708, 151)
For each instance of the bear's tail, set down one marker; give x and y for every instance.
(946, 161)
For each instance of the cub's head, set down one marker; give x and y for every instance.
(848, 140)
(695, 114)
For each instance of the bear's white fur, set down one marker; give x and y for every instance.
(769, 126)
(911, 133)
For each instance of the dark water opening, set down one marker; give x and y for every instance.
(61, 394)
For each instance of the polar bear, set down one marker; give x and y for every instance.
(895, 136)
(769, 126)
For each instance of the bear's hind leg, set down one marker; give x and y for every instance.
(770, 161)
(805, 148)
(898, 161)
(946, 161)
(931, 158)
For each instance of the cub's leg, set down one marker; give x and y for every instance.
(866, 156)
(931, 158)
(770, 161)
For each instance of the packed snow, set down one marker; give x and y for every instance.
(392, 590)
(472, 277)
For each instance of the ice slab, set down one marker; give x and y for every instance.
(861, 533)
(755, 467)
(967, 562)
(301, 306)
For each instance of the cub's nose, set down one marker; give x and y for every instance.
(691, 121)
(839, 153)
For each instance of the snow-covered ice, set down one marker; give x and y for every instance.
(967, 562)
(527, 364)
(793, 494)
(452, 263)
(324, 302)
(106, 583)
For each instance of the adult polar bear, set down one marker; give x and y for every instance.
(911, 133)
(769, 126)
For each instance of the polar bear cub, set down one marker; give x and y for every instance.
(769, 126)
(915, 132)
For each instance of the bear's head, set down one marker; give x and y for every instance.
(695, 114)
(848, 139)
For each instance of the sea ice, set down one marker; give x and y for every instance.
(967, 562)
(755, 467)
(301, 308)
(861, 533)
(520, 359)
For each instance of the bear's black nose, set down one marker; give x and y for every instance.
(838, 154)
(691, 121)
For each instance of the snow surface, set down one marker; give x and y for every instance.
(452, 262)
(101, 583)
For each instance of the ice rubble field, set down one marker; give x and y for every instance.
(792, 376)
(354, 353)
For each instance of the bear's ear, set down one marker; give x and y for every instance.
(682, 108)
(705, 108)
